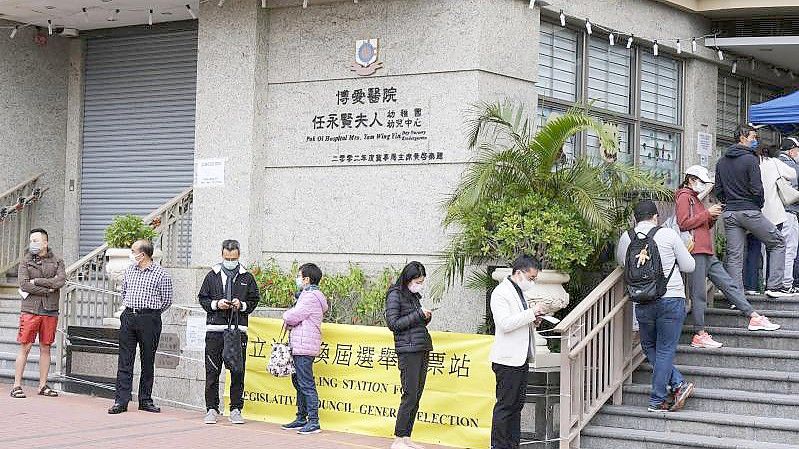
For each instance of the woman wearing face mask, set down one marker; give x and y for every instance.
(693, 217)
(408, 320)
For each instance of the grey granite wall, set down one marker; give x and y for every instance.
(33, 121)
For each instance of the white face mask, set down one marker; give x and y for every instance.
(414, 287)
(525, 284)
(299, 283)
(699, 187)
(132, 258)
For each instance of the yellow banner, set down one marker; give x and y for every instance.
(358, 382)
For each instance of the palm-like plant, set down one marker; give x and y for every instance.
(515, 160)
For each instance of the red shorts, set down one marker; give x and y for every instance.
(30, 325)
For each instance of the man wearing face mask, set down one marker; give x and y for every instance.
(146, 294)
(228, 289)
(739, 186)
(41, 276)
(789, 152)
(513, 349)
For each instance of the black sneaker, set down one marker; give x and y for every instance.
(681, 394)
(781, 292)
(296, 424)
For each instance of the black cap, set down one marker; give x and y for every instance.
(645, 210)
(788, 143)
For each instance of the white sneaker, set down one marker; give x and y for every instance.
(235, 417)
(210, 417)
(752, 292)
(779, 293)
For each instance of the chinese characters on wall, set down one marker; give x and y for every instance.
(372, 125)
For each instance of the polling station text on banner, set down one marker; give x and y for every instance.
(358, 382)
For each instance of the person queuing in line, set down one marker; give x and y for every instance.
(789, 152)
(660, 321)
(693, 217)
(146, 294)
(513, 349)
(229, 294)
(772, 169)
(41, 275)
(305, 340)
(408, 320)
(739, 187)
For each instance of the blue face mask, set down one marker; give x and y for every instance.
(230, 264)
(753, 144)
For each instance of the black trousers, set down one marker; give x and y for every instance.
(214, 343)
(413, 373)
(506, 423)
(144, 330)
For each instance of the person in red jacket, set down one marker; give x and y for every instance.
(694, 217)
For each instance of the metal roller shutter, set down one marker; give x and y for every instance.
(138, 130)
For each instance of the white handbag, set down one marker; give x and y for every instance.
(788, 193)
(281, 362)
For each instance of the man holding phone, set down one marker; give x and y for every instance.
(229, 293)
(513, 350)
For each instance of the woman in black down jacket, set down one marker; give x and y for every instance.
(408, 320)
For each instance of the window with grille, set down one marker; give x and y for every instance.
(557, 62)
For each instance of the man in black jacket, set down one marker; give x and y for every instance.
(740, 188)
(229, 294)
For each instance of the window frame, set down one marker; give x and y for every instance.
(633, 119)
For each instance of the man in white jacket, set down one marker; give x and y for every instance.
(513, 349)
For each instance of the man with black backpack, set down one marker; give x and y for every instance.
(229, 293)
(653, 257)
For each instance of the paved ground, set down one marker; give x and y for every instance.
(72, 421)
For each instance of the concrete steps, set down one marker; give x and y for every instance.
(744, 358)
(733, 378)
(597, 437)
(746, 397)
(717, 425)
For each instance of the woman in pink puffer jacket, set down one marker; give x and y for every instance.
(305, 339)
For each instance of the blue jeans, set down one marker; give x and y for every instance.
(307, 398)
(753, 262)
(660, 324)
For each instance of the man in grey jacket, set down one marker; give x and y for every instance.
(660, 321)
(789, 151)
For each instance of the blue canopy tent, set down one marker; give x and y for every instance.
(782, 113)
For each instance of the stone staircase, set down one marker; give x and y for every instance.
(9, 326)
(746, 397)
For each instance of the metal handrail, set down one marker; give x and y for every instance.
(597, 355)
(89, 295)
(15, 220)
(20, 186)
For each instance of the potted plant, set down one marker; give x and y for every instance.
(123, 231)
(522, 195)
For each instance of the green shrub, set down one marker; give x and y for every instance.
(124, 230)
(353, 297)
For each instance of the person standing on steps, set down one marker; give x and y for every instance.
(229, 294)
(739, 187)
(693, 217)
(41, 275)
(789, 153)
(660, 319)
(146, 294)
(408, 320)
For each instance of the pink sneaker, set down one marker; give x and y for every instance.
(704, 340)
(761, 323)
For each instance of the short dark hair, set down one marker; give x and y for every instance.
(742, 130)
(231, 245)
(411, 271)
(312, 272)
(525, 262)
(40, 231)
(146, 246)
(645, 210)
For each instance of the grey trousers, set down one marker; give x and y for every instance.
(708, 266)
(736, 224)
